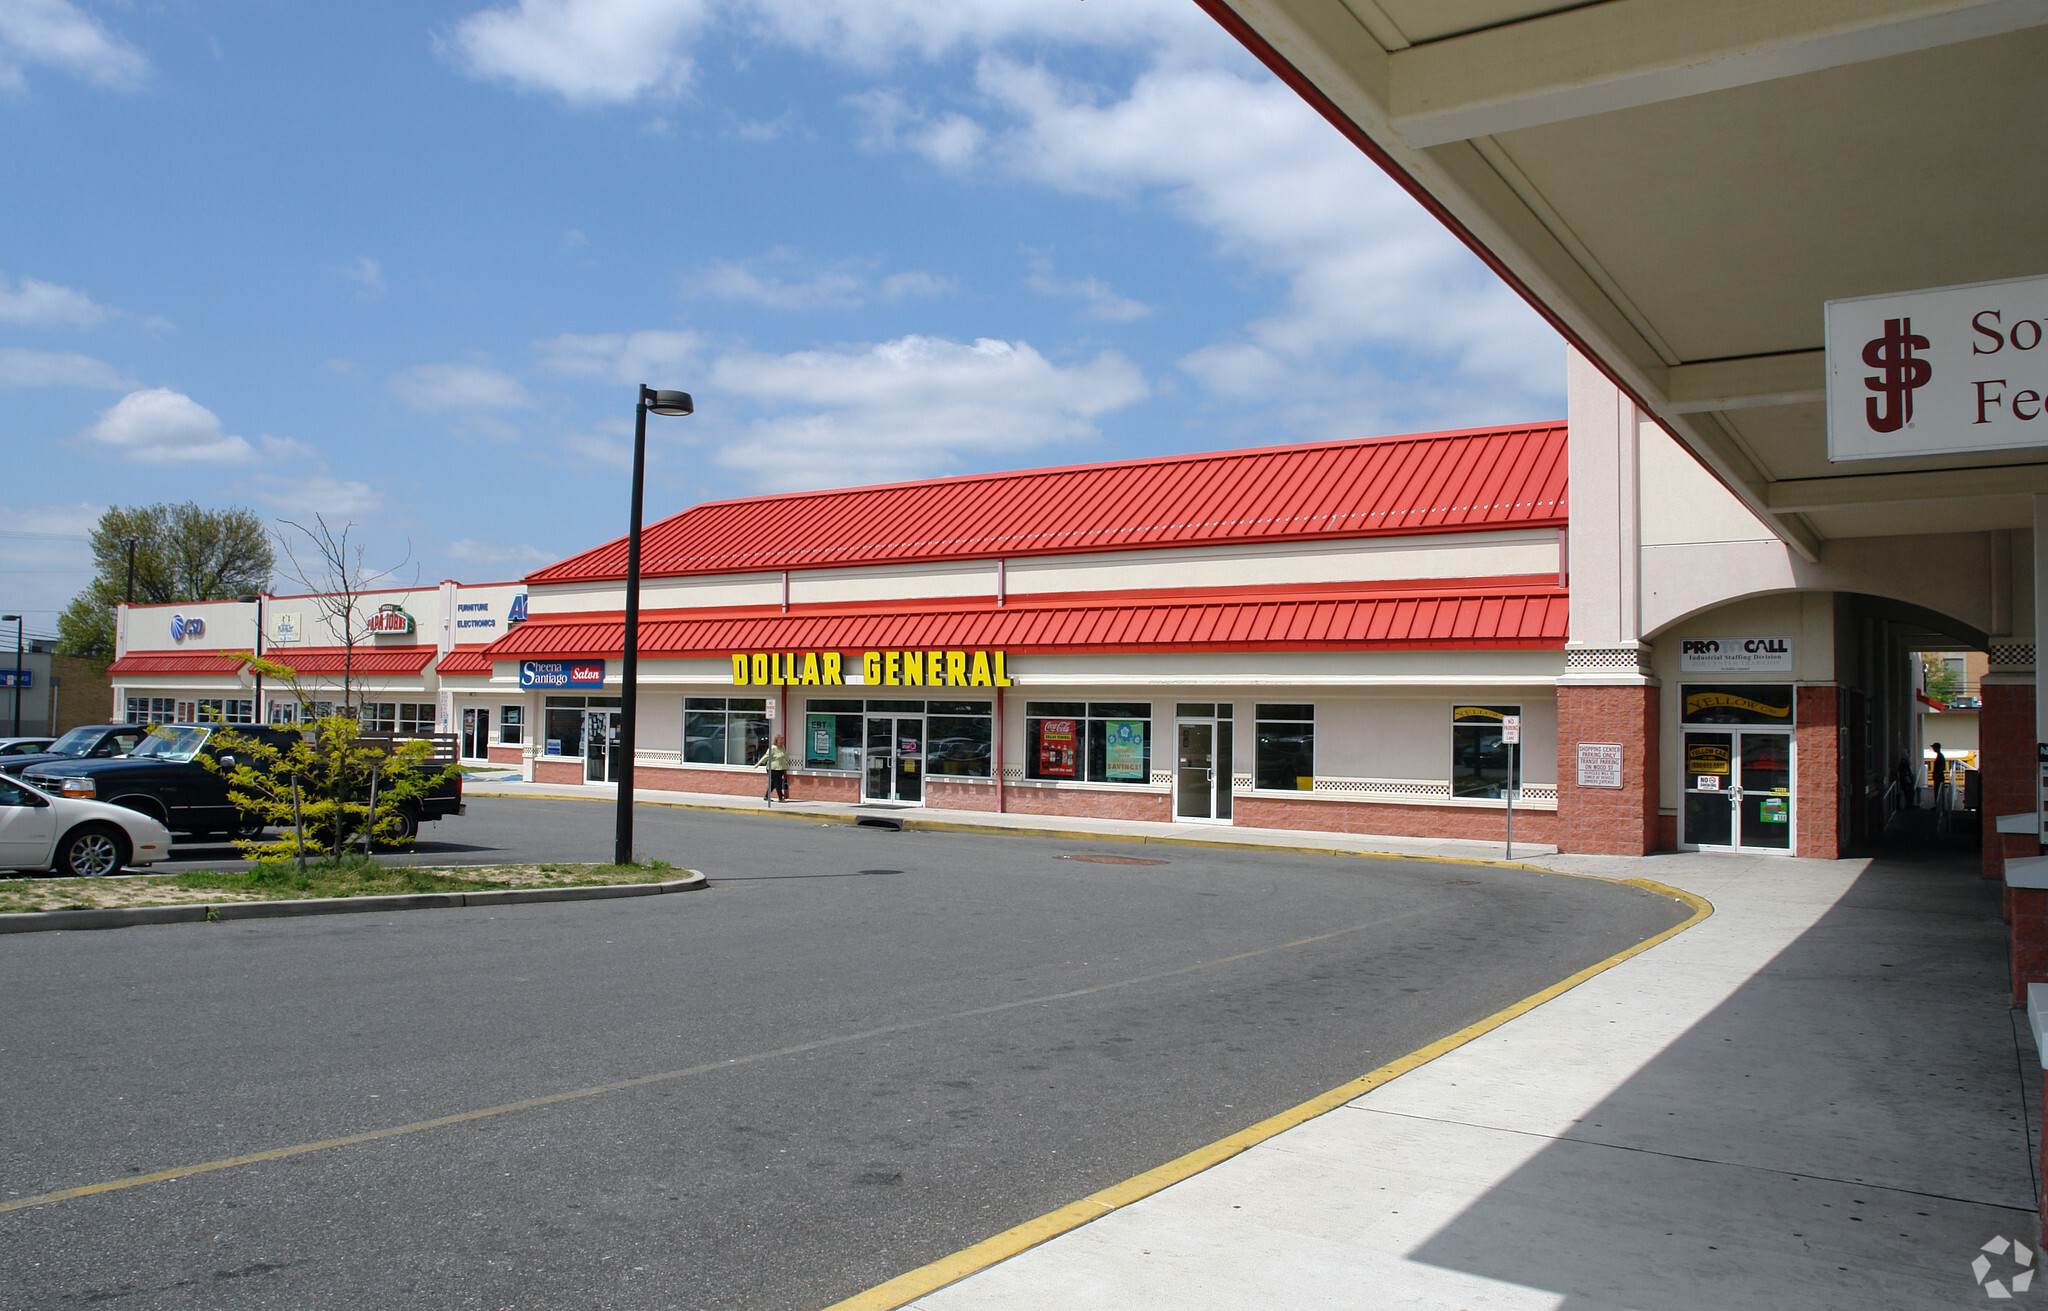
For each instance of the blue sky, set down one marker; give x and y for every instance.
(402, 264)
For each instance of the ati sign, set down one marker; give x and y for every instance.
(1939, 372)
(389, 619)
(1735, 655)
(561, 673)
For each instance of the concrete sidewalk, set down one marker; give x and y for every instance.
(1814, 1098)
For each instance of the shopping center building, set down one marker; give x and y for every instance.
(1343, 636)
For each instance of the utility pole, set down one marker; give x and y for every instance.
(131, 571)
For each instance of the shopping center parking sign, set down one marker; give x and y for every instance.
(561, 673)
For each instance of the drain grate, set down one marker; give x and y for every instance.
(1112, 860)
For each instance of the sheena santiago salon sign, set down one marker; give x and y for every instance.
(923, 668)
(1938, 372)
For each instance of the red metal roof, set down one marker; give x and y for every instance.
(177, 662)
(1440, 482)
(1504, 615)
(467, 658)
(367, 659)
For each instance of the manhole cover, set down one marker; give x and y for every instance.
(1113, 860)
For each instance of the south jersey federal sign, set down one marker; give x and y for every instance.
(1941, 372)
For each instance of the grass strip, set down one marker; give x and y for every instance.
(283, 881)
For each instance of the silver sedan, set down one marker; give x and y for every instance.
(73, 837)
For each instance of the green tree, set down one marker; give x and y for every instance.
(1940, 676)
(182, 553)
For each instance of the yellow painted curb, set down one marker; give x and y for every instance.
(908, 1287)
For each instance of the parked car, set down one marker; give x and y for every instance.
(74, 837)
(163, 778)
(86, 742)
(23, 746)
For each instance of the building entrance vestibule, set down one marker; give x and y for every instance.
(601, 760)
(476, 733)
(1202, 760)
(894, 767)
(1738, 772)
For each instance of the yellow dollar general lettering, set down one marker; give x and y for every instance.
(1002, 677)
(831, 671)
(979, 677)
(810, 676)
(913, 669)
(739, 671)
(871, 668)
(956, 669)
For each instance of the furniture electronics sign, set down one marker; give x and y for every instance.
(561, 673)
(1735, 655)
(1939, 372)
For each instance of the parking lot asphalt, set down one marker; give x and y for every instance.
(858, 1051)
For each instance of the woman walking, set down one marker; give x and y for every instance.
(776, 761)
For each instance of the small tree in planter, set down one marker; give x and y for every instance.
(329, 790)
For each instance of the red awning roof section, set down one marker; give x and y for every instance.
(177, 662)
(467, 658)
(1441, 482)
(1511, 615)
(366, 660)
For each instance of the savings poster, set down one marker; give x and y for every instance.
(1125, 758)
(1056, 754)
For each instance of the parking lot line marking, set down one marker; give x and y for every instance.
(623, 1085)
(914, 1284)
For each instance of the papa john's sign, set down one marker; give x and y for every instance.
(1940, 372)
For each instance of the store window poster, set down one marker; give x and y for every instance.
(1125, 755)
(1056, 754)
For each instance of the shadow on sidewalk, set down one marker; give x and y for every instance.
(1844, 1131)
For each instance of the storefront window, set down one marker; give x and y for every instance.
(960, 738)
(213, 710)
(511, 725)
(1481, 760)
(564, 727)
(832, 734)
(1286, 757)
(724, 730)
(1096, 742)
(398, 717)
(151, 709)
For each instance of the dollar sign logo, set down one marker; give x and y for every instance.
(1902, 373)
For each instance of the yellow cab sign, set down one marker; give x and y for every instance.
(898, 668)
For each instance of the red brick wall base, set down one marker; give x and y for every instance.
(751, 783)
(1019, 800)
(558, 771)
(952, 794)
(1314, 815)
(2029, 940)
(1608, 821)
(1818, 806)
(508, 756)
(2005, 743)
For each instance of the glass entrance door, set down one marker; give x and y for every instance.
(601, 763)
(895, 759)
(1738, 790)
(476, 733)
(1765, 788)
(1201, 770)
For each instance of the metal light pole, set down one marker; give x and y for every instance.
(17, 670)
(260, 717)
(661, 402)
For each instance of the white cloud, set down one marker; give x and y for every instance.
(830, 290)
(586, 51)
(161, 426)
(59, 34)
(27, 368)
(911, 407)
(284, 448)
(903, 286)
(365, 273)
(305, 494)
(474, 552)
(435, 388)
(1101, 300)
(36, 302)
(653, 357)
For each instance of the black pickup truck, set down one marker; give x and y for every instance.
(86, 742)
(164, 777)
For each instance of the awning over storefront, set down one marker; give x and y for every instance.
(177, 662)
(1441, 482)
(365, 660)
(467, 659)
(1519, 616)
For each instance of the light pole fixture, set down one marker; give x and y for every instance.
(661, 402)
(260, 717)
(17, 669)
